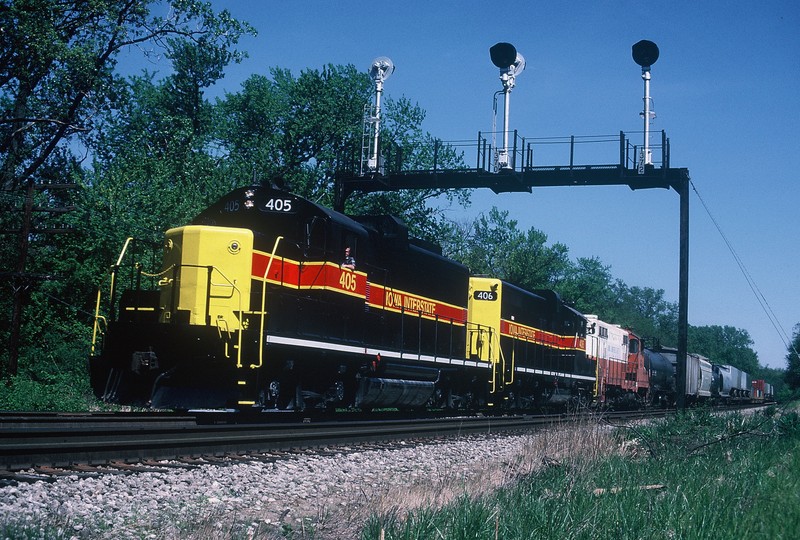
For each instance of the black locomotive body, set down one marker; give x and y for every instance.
(255, 308)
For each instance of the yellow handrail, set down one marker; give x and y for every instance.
(124, 249)
(97, 316)
(119, 262)
(235, 289)
(263, 306)
(97, 319)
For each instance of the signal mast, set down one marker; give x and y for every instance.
(380, 70)
(645, 53)
(511, 64)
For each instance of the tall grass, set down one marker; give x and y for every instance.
(692, 476)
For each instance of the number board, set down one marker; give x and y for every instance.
(277, 204)
(490, 296)
(281, 205)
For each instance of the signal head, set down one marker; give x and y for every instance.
(381, 68)
(503, 54)
(645, 53)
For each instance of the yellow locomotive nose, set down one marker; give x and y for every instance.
(206, 276)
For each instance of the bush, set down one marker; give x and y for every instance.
(52, 376)
(67, 392)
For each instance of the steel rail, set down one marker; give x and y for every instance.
(29, 441)
(29, 444)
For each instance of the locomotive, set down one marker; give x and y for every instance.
(269, 301)
(255, 307)
(623, 380)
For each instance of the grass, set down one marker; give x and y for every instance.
(692, 476)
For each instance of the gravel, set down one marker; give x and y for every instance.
(330, 493)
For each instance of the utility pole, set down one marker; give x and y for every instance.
(21, 281)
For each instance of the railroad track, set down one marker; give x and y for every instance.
(80, 442)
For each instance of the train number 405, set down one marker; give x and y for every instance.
(348, 281)
(279, 205)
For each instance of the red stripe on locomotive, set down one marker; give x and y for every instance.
(541, 337)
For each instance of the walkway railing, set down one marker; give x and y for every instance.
(524, 154)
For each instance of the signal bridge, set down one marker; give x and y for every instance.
(525, 169)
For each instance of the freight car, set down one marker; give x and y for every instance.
(258, 305)
(731, 383)
(760, 390)
(705, 380)
(662, 370)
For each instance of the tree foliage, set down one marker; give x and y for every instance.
(57, 61)
(494, 245)
(59, 88)
(154, 165)
(724, 345)
(292, 131)
(402, 137)
(646, 312)
(589, 286)
(298, 132)
(793, 360)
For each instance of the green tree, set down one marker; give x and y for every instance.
(588, 286)
(298, 132)
(724, 345)
(293, 131)
(793, 360)
(646, 312)
(155, 151)
(494, 245)
(57, 61)
(403, 137)
(57, 78)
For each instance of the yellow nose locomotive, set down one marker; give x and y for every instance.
(268, 300)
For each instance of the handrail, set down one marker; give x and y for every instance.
(97, 319)
(97, 316)
(263, 312)
(115, 268)
(241, 311)
(124, 249)
(513, 361)
(494, 364)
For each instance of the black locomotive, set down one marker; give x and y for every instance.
(258, 305)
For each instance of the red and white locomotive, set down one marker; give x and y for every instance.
(622, 379)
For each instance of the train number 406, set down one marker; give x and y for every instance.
(348, 281)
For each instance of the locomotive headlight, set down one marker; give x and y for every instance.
(234, 247)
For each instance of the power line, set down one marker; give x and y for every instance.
(784, 336)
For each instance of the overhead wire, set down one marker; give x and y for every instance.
(784, 336)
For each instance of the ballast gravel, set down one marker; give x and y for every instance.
(331, 493)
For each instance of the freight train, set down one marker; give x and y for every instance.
(267, 300)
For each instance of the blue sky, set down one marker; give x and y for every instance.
(724, 89)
